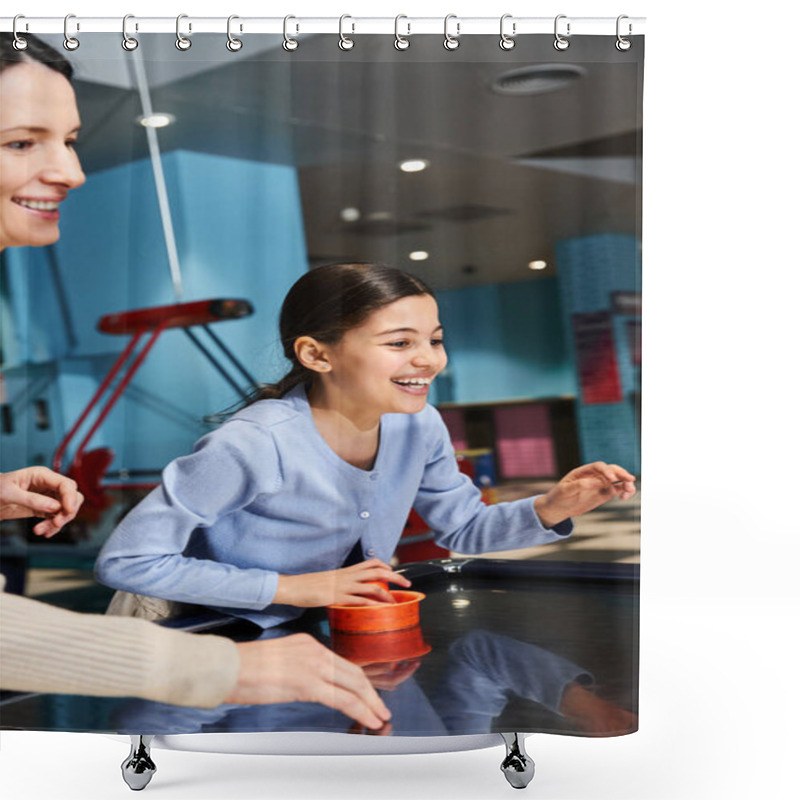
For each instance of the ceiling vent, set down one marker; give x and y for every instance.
(537, 78)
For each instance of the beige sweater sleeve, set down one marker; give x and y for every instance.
(49, 649)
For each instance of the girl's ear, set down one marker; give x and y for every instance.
(311, 354)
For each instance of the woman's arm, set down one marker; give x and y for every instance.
(48, 649)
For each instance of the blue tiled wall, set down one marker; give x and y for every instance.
(590, 268)
(506, 341)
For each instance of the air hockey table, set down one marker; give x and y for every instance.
(503, 649)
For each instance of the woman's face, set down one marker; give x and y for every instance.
(39, 124)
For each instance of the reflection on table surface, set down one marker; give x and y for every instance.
(501, 646)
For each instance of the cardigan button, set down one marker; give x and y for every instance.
(364, 515)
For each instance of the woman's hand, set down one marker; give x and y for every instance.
(39, 492)
(351, 586)
(583, 489)
(299, 668)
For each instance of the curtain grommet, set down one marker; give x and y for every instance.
(233, 44)
(345, 43)
(561, 43)
(507, 41)
(622, 44)
(20, 43)
(289, 44)
(128, 42)
(181, 42)
(71, 43)
(401, 42)
(451, 42)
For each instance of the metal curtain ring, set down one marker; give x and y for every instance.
(507, 42)
(622, 43)
(561, 43)
(181, 42)
(344, 42)
(70, 42)
(289, 44)
(451, 42)
(233, 44)
(401, 42)
(128, 43)
(19, 42)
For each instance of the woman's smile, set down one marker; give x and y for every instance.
(47, 209)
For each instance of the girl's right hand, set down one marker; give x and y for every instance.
(351, 586)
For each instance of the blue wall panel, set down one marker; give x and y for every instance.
(506, 341)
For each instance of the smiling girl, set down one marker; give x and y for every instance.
(266, 514)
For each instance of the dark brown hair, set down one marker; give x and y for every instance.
(36, 51)
(327, 302)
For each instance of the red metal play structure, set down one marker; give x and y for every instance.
(145, 326)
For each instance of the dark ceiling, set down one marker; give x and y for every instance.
(508, 175)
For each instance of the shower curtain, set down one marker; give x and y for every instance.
(505, 171)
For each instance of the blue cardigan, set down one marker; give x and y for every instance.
(264, 494)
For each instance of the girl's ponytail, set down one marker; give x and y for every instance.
(274, 391)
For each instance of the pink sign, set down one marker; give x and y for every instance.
(524, 442)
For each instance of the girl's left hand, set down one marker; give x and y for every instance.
(583, 489)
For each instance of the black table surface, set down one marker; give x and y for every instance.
(507, 640)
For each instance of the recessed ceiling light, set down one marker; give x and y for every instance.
(414, 165)
(537, 265)
(350, 214)
(419, 255)
(156, 120)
